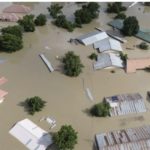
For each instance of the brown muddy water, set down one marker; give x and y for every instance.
(66, 98)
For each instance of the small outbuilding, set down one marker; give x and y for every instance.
(108, 45)
(92, 37)
(32, 136)
(108, 61)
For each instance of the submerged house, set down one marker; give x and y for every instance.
(126, 104)
(126, 139)
(107, 61)
(108, 45)
(92, 37)
(32, 136)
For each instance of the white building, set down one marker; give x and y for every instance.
(92, 37)
(108, 45)
(32, 136)
(108, 60)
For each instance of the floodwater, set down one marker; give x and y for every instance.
(66, 98)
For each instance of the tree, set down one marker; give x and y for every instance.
(87, 13)
(120, 16)
(144, 46)
(61, 21)
(34, 104)
(55, 10)
(100, 109)
(93, 56)
(115, 7)
(147, 3)
(10, 43)
(40, 20)
(72, 64)
(124, 57)
(65, 138)
(27, 23)
(15, 30)
(130, 26)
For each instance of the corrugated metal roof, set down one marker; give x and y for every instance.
(126, 139)
(108, 44)
(107, 60)
(92, 37)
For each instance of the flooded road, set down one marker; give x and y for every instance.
(66, 98)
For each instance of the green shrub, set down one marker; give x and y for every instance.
(144, 46)
(147, 3)
(27, 23)
(34, 104)
(10, 43)
(124, 57)
(72, 64)
(40, 20)
(15, 30)
(93, 56)
(115, 7)
(55, 10)
(100, 109)
(130, 26)
(65, 138)
(120, 16)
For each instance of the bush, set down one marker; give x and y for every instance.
(130, 26)
(124, 57)
(34, 104)
(93, 56)
(87, 13)
(27, 23)
(147, 3)
(40, 20)
(65, 138)
(61, 21)
(100, 109)
(15, 30)
(120, 16)
(72, 64)
(55, 10)
(10, 43)
(144, 46)
(115, 7)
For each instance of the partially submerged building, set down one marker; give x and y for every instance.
(107, 61)
(32, 136)
(126, 104)
(126, 139)
(108, 45)
(136, 64)
(92, 37)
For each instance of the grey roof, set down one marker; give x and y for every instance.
(92, 37)
(125, 139)
(108, 44)
(108, 60)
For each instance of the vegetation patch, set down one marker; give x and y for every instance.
(143, 46)
(72, 64)
(124, 57)
(120, 16)
(40, 20)
(34, 104)
(65, 138)
(93, 56)
(130, 26)
(115, 7)
(100, 109)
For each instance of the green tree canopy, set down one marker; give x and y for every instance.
(120, 16)
(100, 109)
(55, 10)
(27, 23)
(72, 64)
(144, 46)
(10, 43)
(115, 7)
(34, 104)
(15, 30)
(130, 26)
(61, 21)
(65, 138)
(40, 20)
(147, 3)
(87, 13)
